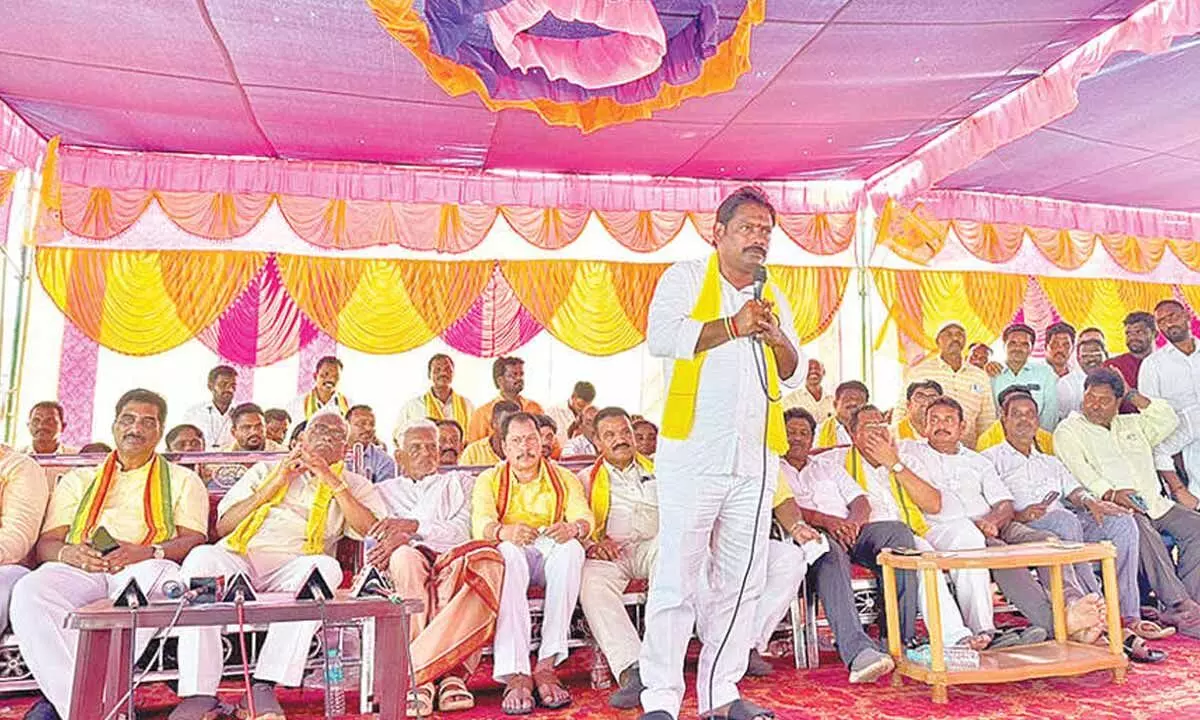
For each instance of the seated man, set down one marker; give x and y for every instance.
(46, 423)
(1043, 439)
(23, 498)
(450, 442)
(278, 422)
(645, 435)
(490, 450)
(847, 398)
(1112, 456)
(549, 432)
(424, 547)
(538, 513)
(278, 523)
(919, 395)
(183, 439)
(377, 464)
(582, 444)
(249, 435)
(156, 512)
(977, 512)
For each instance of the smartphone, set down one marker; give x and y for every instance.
(1139, 502)
(103, 541)
(1050, 497)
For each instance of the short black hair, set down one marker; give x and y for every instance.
(1060, 328)
(435, 358)
(218, 371)
(501, 366)
(545, 421)
(913, 387)
(1013, 393)
(1089, 343)
(1019, 327)
(142, 395)
(515, 417)
(277, 414)
(747, 195)
(327, 360)
(854, 416)
(610, 412)
(364, 408)
(97, 447)
(1169, 301)
(50, 405)
(504, 406)
(1141, 317)
(644, 421)
(296, 431)
(947, 401)
(1092, 329)
(1106, 376)
(450, 423)
(799, 413)
(175, 432)
(585, 391)
(848, 386)
(244, 409)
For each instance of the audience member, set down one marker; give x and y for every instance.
(847, 399)
(1089, 355)
(919, 395)
(812, 397)
(645, 434)
(1172, 373)
(567, 416)
(1038, 379)
(46, 423)
(583, 444)
(377, 465)
(980, 355)
(324, 395)
(508, 374)
(212, 417)
(278, 422)
(489, 451)
(450, 442)
(439, 402)
(968, 385)
(548, 429)
(1141, 328)
(1060, 344)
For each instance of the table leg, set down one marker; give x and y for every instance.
(1058, 603)
(1116, 637)
(891, 608)
(91, 659)
(937, 647)
(391, 664)
(117, 682)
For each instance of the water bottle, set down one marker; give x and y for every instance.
(335, 677)
(601, 676)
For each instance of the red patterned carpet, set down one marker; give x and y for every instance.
(1170, 690)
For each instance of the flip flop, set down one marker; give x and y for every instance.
(546, 679)
(1150, 630)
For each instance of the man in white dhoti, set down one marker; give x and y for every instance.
(279, 523)
(155, 510)
(538, 514)
(1173, 373)
(718, 456)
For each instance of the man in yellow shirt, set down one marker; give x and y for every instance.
(278, 524)
(538, 513)
(23, 498)
(968, 385)
(155, 510)
(489, 451)
(508, 373)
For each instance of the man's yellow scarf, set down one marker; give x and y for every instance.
(502, 488)
(314, 531)
(679, 413)
(312, 403)
(908, 509)
(601, 496)
(156, 503)
(433, 408)
(827, 435)
(906, 431)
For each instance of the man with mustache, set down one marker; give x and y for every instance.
(46, 423)
(980, 355)
(489, 451)
(377, 464)
(424, 547)
(279, 523)
(1060, 342)
(324, 396)
(508, 373)
(847, 399)
(972, 491)
(1089, 355)
(538, 513)
(249, 435)
(278, 422)
(968, 385)
(450, 442)
(565, 416)
(1038, 379)
(812, 397)
(1173, 374)
(155, 510)
(548, 429)
(718, 457)
(1113, 456)
(919, 395)
(1140, 331)
(440, 402)
(212, 417)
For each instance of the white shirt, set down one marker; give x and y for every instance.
(578, 445)
(968, 481)
(819, 409)
(1031, 478)
(563, 418)
(727, 434)
(415, 409)
(823, 485)
(441, 503)
(1169, 374)
(216, 426)
(632, 503)
(1070, 393)
(879, 483)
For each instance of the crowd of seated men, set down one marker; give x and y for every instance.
(977, 454)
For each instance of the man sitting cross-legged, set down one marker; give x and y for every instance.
(424, 545)
(279, 522)
(538, 513)
(155, 510)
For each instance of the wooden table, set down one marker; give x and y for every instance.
(1059, 657)
(106, 634)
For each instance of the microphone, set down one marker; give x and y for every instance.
(760, 281)
(176, 591)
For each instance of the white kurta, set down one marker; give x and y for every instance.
(1070, 393)
(217, 426)
(1031, 478)
(440, 503)
(719, 472)
(1170, 374)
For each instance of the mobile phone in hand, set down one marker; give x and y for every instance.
(1139, 502)
(1050, 497)
(103, 541)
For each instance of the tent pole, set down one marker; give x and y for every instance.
(17, 359)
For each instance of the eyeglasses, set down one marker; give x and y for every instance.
(145, 422)
(324, 432)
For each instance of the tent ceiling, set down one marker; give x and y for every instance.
(838, 90)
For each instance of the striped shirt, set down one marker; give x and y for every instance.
(969, 385)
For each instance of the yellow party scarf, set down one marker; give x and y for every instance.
(314, 531)
(601, 495)
(827, 436)
(156, 502)
(502, 488)
(906, 431)
(433, 408)
(679, 413)
(312, 403)
(912, 514)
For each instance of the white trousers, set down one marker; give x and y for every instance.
(604, 583)
(9, 575)
(41, 602)
(558, 567)
(688, 535)
(973, 588)
(285, 652)
(953, 627)
(787, 565)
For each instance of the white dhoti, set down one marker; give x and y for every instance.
(973, 588)
(604, 583)
(285, 652)
(558, 567)
(41, 602)
(787, 565)
(689, 506)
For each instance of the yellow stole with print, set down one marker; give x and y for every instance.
(433, 408)
(156, 502)
(908, 509)
(318, 514)
(679, 413)
(601, 494)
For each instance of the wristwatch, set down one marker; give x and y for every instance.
(159, 553)
(898, 467)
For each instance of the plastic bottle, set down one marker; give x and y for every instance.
(335, 677)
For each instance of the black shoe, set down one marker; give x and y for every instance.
(42, 710)
(657, 715)
(630, 693)
(758, 666)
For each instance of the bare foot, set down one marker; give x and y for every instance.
(518, 695)
(976, 642)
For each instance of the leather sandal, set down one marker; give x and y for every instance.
(547, 679)
(454, 696)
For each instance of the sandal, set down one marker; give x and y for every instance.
(522, 686)
(1150, 630)
(546, 679)
(420, 701)
(453, 695)
(1139, 651)
(741, 710)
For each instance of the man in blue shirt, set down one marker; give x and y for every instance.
(377, 464)
(1038, 378)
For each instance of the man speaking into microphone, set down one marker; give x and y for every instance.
(729, 343)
